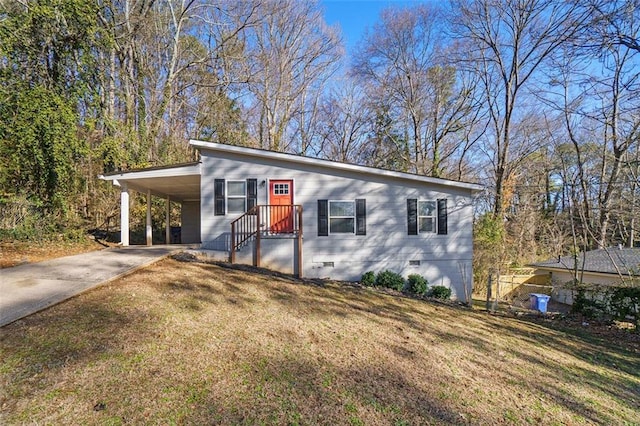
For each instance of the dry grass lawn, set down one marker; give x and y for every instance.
(193, 343)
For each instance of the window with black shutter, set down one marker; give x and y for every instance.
(219, 197)
(252, 193)
(323, 218)
(342, 217)
(412, 216)
(442, 216)
(426, 216)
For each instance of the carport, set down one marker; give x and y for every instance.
(178, 183)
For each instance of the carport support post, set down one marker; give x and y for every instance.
(167, 229)
(124, 215)
(148, 232)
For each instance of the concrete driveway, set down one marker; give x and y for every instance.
(29, 288)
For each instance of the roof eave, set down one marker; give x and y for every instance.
(187, 169)
(565, 269)
(212, 146)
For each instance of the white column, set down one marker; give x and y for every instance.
(124, 216)
(148, 229)
(167, 230)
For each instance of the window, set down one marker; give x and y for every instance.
(236, 196)
(342, 217)
(426, 216)
(281, 189)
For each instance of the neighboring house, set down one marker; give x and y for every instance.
(610, 266)
(316, 218)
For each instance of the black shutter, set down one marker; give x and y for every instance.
(442, 216)
(412, 216)
(323, 218)
(218, 194)
(252, 193)
(361, 217)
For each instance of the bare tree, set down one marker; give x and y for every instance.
(507, 42)
(167, 56)
(599, 108)
(632, 200)
(402, 60)
(343, 124)
(618, 17)
(289, 57)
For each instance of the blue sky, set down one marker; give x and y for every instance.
(354, 16)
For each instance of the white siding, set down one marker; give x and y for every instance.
(190, 222)
(386, 245)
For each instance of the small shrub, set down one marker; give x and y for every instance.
(580, 300)
(440, 292)
(390, 279)
(624, 304)
(368, 279)
(585, 304)
(417, 284)
(74, 234)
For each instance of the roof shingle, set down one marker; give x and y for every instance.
(604, 261)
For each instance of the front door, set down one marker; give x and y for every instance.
(281, 206)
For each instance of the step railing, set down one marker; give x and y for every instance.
(266, 220)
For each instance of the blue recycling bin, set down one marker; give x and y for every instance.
(539, 301)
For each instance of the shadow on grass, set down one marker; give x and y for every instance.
(287, 390)
(593, 364)
(286, 378)
(608, 363)
(82, 332)
(612, 371)
(211, 286)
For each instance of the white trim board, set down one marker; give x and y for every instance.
(317, 162)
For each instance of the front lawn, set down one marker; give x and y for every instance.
(192, 343)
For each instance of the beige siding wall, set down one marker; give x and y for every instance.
(565, 295)
(443, 258)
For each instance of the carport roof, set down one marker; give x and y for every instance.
(180, 182)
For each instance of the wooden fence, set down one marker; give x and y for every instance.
(517, 284)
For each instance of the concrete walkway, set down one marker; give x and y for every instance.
(29, 288)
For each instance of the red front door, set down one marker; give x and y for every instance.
(281, 206)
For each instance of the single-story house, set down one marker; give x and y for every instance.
(601, 267)
(312, 217)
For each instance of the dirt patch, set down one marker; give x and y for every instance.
(614, 332)
(16, 253)
(560, 317)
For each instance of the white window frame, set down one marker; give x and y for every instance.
(434, 217)
(286, 185)
(329, 216)
(237, 197)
